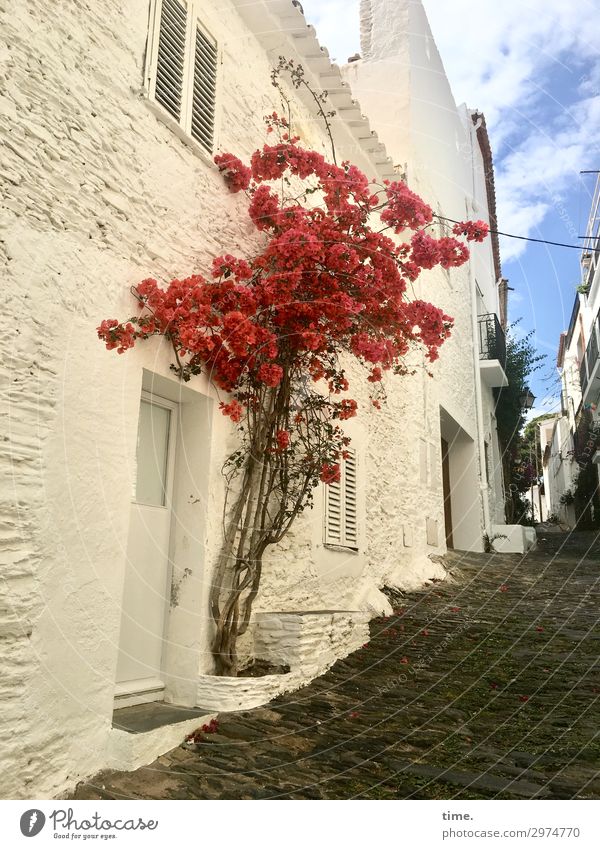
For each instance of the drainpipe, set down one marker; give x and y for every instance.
(483, 487)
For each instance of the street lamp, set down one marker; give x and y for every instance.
(526, 398)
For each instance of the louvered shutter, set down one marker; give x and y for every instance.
(170, 63)
(204, 90)
(341, 514)
(350, 517)
(333, 513)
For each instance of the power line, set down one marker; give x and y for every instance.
(521, 238)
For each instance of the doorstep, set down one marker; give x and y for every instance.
(142, 733)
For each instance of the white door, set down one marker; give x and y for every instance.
(147, 574)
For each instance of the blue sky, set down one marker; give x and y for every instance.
(533, 68)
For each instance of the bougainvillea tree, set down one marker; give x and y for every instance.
(275, 331)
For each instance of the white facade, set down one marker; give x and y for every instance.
(556, 444)
(575, 440)
(103, 188)
(444, 152)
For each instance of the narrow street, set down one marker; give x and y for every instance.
(483, 687)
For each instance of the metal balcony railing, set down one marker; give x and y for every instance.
(592, 350)
(591, 356)
(492, 342)
(583, 375)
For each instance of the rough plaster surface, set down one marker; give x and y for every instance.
(98, 194)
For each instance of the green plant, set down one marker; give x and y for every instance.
(488, 541)
(522, 360)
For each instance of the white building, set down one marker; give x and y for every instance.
(556, 445)
(107, 164)
(445, 153)
(573, 456)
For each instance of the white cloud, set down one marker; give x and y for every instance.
(504, 63)
(338, 26)
(504, 59)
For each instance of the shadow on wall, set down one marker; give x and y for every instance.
(461, 486)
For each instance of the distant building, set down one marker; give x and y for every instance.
(572, 456)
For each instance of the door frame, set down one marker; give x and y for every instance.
(447, 492)
(152, 689)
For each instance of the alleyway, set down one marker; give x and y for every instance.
(487, 687)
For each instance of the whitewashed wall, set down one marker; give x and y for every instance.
(402, 84)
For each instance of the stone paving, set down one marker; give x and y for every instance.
(483, 687)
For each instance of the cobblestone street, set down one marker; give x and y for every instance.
(483, 687)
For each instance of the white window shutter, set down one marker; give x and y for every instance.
(341, 509)
(170, 63)
(333, 513)
(204, 91)
(350, 507)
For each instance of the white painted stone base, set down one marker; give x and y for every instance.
(311, 641)
(128, 751)
(519, 539)
(216, 693)
(308, 642)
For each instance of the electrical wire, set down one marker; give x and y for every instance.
(521, 238)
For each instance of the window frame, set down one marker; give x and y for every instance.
(196, 18)
(343, 544)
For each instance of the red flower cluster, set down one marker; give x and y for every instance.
(330, 473)
(346, 409)
(235, 173)
(234, 410)
(283, 439)
(474, 231)
(208, 728)
(326, 282)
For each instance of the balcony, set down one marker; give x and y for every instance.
(492, 351)
(589, 370)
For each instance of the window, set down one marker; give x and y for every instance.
(182, 72)
(341, 507)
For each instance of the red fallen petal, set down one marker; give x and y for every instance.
(539, 629)
(494, 686)
(523, 698)
(365, 645)
(353, 715)
(404, 660)
(504, 588)
(425, 632)
(454, 609)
